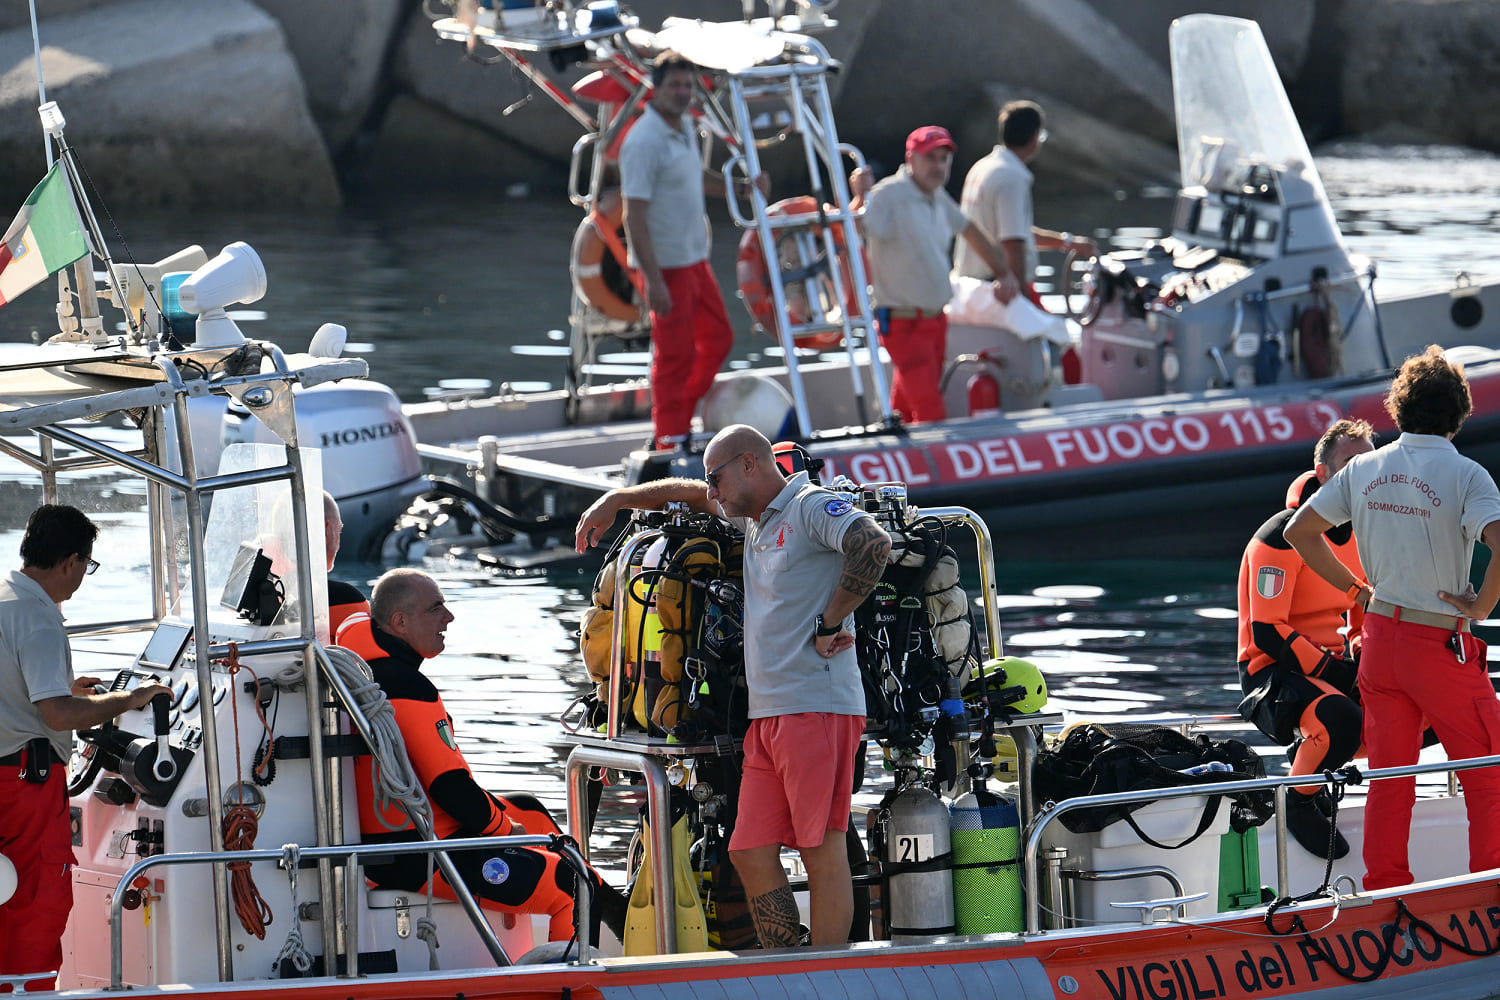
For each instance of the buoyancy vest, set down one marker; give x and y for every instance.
(426, 727)
(663, 628)
(1288, 614)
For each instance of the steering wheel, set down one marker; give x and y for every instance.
(1085, 284)
(87, 760)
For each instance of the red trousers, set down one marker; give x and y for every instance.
(916, 346)
(35, 834)
(688, 347)
(1407, 671)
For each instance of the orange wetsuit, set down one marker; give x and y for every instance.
(1296, 670)
(344, 599)
(508, 879)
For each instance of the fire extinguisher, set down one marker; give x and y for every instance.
(984, 387)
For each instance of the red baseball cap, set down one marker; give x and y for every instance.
(927, 138)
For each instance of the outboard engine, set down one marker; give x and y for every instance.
(370, 461)
(916, 860)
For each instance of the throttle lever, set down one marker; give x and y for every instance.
(165, 766)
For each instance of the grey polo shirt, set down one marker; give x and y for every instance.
(793, 560)
(663, 165)
(997, 196)
(1418, 507)
(909, 233)
(35, 663)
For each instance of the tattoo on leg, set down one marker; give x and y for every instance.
(775, 916)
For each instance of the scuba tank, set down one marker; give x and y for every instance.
(986, 864)
(916, 860)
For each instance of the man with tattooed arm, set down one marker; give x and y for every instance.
(811, 558)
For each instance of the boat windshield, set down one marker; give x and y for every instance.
(1232, 112)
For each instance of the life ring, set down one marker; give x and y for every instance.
(601, 275)
(755, 283)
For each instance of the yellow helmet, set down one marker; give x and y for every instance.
(1013, 684)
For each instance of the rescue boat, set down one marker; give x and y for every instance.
(1208, 363)
(166, 904)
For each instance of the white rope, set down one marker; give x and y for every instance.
(393, 777)
(293, 948)
(395, 781)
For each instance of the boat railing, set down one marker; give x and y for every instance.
(351, 856)
(1277, 785)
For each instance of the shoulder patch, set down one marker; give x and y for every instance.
(1269, 580)
(445, 733)
(837, 507)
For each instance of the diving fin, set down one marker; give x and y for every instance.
(692, 923)
(640, 913)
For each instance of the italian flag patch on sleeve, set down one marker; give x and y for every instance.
(1269, 580)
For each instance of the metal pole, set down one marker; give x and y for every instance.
(210, 748)
(617, 628)
(658, 815)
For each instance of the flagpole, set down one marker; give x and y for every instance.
(53, 122)
(41, 86)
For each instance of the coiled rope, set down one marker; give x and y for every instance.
(240, 826)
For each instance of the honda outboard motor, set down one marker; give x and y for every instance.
(370, 461)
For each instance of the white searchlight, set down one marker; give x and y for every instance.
(235, 275)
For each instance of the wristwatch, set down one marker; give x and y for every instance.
(821, 631)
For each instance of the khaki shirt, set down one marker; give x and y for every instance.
(663, 165)
(909, 233)
(35, 663)
(793, 560)
(997, 196)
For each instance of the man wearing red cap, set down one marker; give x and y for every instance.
(909, 224)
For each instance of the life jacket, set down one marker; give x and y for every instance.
(427, 730)
(344, 599)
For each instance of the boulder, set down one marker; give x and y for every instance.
(480, 89)
(1423, 68)
(17, 13)
(211, 112)
(917, 65)
(340, 50)
(437, 72)
(1286, 24)
(1083, 152)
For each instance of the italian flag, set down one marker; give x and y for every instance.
(45, 238)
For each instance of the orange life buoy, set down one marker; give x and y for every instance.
(755, 284)
(602, 275)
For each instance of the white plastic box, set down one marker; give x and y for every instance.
(1117, 847)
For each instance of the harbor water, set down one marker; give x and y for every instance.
(435, 288)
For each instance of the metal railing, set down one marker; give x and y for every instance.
(1277, 785)
(349, 854)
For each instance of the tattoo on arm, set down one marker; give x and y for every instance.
(865, 551)
(775, 916)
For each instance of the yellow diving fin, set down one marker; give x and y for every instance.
(640, 912)
(692, 924)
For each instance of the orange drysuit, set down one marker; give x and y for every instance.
(1296, 669)
(508, 879)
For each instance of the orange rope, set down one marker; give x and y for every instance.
(240, 825)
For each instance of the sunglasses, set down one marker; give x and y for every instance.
(712, 478)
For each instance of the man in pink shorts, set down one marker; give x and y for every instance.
(811, 558)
